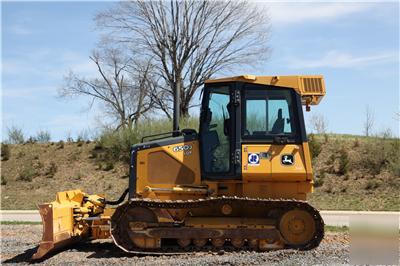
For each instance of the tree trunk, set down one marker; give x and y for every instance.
(184, 111)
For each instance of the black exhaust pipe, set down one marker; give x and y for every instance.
(177, 105)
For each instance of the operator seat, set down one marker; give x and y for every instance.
(279, 124)
(210, 144)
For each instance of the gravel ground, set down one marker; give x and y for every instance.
(18, 243)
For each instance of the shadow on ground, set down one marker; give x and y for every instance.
(95, 250)
(23, 257)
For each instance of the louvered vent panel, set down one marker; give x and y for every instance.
(312, 85)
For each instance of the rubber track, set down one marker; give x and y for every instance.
(282, 204)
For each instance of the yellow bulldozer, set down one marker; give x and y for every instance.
(239, 182)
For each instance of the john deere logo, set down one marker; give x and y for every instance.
(287, 159)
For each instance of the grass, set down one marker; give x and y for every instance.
(356, 173)
(51, 170)
(18, 222)
(27, 174)
(334, 197)
(3, 180)
(5, 152)
(314, 145)
(335, 136)
(58, 173)
(336, 229)
(115, 145)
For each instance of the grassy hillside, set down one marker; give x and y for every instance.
(356, 173)
(35, 172)
(350, 172)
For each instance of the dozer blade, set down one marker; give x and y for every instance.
(72, 217)
(57, 229)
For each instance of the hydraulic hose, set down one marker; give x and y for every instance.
(121, 199)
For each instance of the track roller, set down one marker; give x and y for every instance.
(218, 242)
(200, 242)
(184, 243)
(237, 242)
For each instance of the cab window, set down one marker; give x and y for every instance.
(268, 112)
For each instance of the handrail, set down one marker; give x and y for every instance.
(161, 134)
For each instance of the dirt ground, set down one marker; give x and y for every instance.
(18, 243)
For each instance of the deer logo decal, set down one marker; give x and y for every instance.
(287, 159)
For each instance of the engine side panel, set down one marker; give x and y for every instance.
(168, 171)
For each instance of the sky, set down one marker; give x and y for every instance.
(354, 45)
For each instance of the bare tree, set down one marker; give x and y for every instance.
(125, 87)
(397, 116)
(189, 41)
(369, 121)
(43, 136)
(318, 124)
(15, 135)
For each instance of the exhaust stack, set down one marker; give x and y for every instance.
(177, 107)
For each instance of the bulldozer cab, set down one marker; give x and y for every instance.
(251, 142)
(238, 113)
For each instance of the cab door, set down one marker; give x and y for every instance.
(256, 156)
(217, 132)
(271, 135)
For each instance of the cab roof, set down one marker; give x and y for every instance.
(310, 87)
